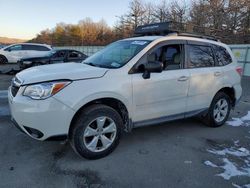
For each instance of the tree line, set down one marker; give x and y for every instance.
(229, 20)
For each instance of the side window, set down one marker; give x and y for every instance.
(74, 54)
(200, 56)
(59, 54)
(35, 47)
(42, 48)
(14, 48)
(222, 56)
(27, 47)
(169, 55)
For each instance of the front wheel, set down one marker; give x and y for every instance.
(219, 110)
(96, 132)
(3, 59)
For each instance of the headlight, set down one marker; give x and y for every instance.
(44, 90)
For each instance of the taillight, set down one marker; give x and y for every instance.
(239, 70)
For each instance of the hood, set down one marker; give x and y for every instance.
(66, 71)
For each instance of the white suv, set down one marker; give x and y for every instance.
(14, 52)
(130, 83)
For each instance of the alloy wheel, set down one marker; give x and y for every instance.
(220, 110)
(100, 134)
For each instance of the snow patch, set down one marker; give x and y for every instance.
(241, 152)
(246, 117)
(209, 163)
(236, 161)
(236, 122)
(243, 186)
(231, 170)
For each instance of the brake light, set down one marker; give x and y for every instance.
(239, 70)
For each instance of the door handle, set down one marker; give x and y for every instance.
(183, 78)
(217, 73)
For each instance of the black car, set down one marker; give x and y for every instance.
(55, 56)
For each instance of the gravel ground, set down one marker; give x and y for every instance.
(182, 153)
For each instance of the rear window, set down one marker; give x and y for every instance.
(222, 56)
(200, 56)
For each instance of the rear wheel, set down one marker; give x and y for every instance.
(219, 110)
(96, 132)
(3, 59)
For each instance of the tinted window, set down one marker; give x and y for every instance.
(59, 54)
(222, 56)
(169, 55)
(200, 56)
(35, 47)
(74, 54)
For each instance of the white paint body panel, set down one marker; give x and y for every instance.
(161, 95)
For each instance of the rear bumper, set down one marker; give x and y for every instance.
(238, 93)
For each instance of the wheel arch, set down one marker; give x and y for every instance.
(230, 92)
(1, 55)
(114, 103)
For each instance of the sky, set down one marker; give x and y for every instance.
(24, 19)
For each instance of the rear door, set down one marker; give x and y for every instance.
(206, 78)
(163, 95)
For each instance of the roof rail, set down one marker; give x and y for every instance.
(198, 36)
(168, 28)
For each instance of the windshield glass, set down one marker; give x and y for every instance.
(116, 54)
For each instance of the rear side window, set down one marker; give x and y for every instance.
(35, 47)
(200, 56)
(222, 56)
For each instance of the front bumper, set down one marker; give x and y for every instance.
(40, 119)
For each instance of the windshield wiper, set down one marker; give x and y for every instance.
(91, 64)
(101, 66)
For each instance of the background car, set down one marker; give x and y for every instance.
(1, 46)
(12, 53)
(55, 56)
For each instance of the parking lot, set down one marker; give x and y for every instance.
(181, 153)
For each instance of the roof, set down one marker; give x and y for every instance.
(150, 38)
(173, 36)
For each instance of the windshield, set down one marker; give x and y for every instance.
(116, 54)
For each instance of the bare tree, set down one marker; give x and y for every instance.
(161, 12)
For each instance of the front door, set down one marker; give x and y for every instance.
(163, 95)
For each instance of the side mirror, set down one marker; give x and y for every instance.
(152, 66)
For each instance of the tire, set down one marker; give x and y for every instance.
(217, 114)
(88, 143)
(3, 59)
